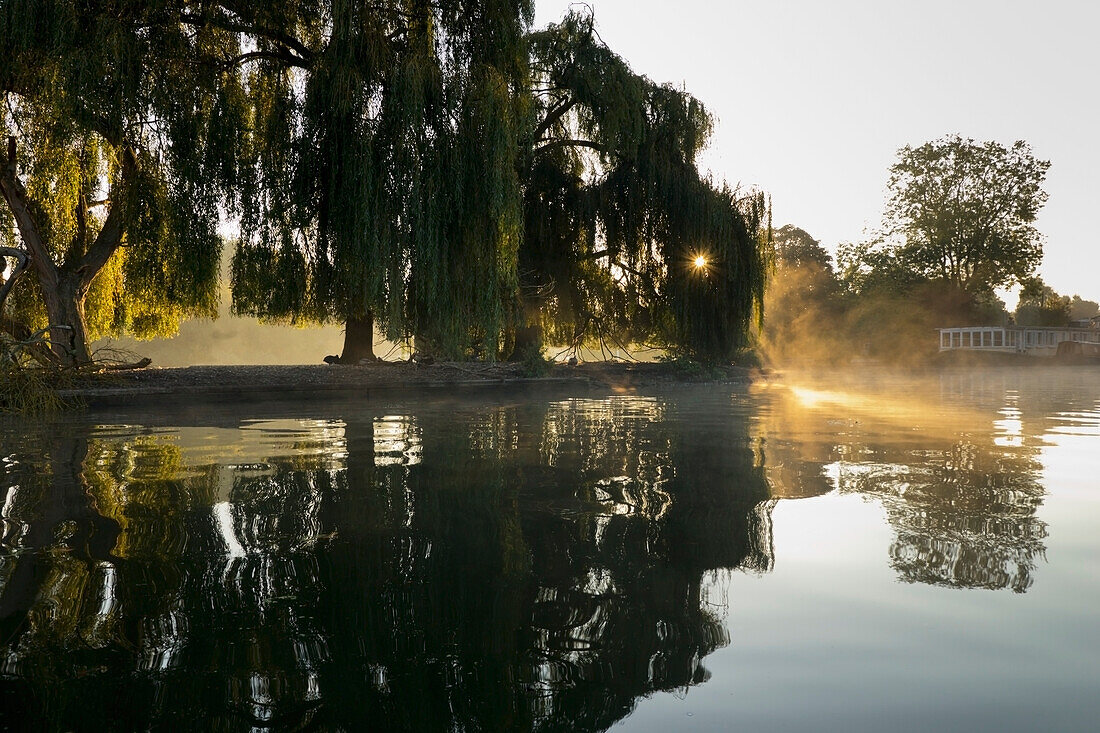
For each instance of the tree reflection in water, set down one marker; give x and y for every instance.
(522, 567)
(961, 493)
(536, 566)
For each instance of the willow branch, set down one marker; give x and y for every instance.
(110, 236)
(567, 143)
(553, 116)
(283, 55)
(20, 205)
(225, 24)
(22, 261)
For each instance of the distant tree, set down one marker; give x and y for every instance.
(794, 247)
(1080, 309)
(959, 223)
(870, 266)
(963, 212)
(1039, 305)
(890, 307)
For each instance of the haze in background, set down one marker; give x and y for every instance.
(231, 340)
(813, 99)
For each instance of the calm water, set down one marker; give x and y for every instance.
(856, 552)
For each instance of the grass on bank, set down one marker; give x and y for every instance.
(32, 391)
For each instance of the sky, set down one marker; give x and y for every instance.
(813, 98)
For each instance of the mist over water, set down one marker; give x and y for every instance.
(234, 340)
(851, 550)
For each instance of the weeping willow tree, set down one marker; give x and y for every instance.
(426, 164)
(121, 147)
(624, 238)
(366, 152)
(434, 168)
(386, 180)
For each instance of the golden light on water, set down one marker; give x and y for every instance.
(700, 262)
(873, 405)
(913, 406)
(814, 398)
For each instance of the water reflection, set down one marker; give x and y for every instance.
(532, 566)
(960, 488)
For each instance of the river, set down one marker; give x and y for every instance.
(830, 552)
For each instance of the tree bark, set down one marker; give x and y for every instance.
(16, 197)
(528, 339)
(358, 339)
(64, 288)
(68, 329)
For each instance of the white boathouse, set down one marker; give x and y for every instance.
(1034, 341)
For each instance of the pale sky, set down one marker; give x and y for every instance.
(814, 97)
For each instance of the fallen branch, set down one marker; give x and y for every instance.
(16, 341)
(141, 364)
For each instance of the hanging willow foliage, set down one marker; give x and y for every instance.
(391, 190)
(437, 168)
(617, 212)
(429, 165)
(122, 148)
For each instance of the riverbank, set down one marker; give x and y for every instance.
(975, 358)
(221, 384)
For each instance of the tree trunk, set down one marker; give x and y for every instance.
(65, 287)
(358, 340)
(68, 327)
(528, 339)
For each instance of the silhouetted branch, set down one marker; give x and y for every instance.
(22, 260)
